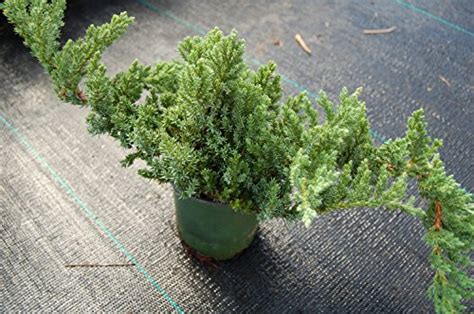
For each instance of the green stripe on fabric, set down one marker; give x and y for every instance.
(88, 211)
(434, 17)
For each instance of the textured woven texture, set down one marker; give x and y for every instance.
(64, 199)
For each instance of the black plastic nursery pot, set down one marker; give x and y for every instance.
(213, 229)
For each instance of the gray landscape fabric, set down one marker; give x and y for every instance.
(65, 200)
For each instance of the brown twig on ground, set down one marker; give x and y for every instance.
(277, 42)
(97, 265)
(444, 80)
(379, 31)
(302, 44)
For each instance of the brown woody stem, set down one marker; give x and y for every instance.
(437, 220)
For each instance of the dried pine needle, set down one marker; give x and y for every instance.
(302, 43)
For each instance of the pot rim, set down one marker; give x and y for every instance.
(200, 200)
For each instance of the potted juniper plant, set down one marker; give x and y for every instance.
(237, 153)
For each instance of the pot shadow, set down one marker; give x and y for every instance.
(314, 270)
(259, 279)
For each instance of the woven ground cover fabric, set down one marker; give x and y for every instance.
(64, 199)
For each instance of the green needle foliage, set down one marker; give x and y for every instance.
(218, 130)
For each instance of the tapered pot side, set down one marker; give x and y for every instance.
(213, 229)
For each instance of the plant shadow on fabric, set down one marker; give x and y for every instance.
(280, 271)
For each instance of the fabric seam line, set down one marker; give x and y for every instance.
(89, 212)
(434, 17)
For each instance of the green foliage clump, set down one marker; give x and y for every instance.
(217, 129)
